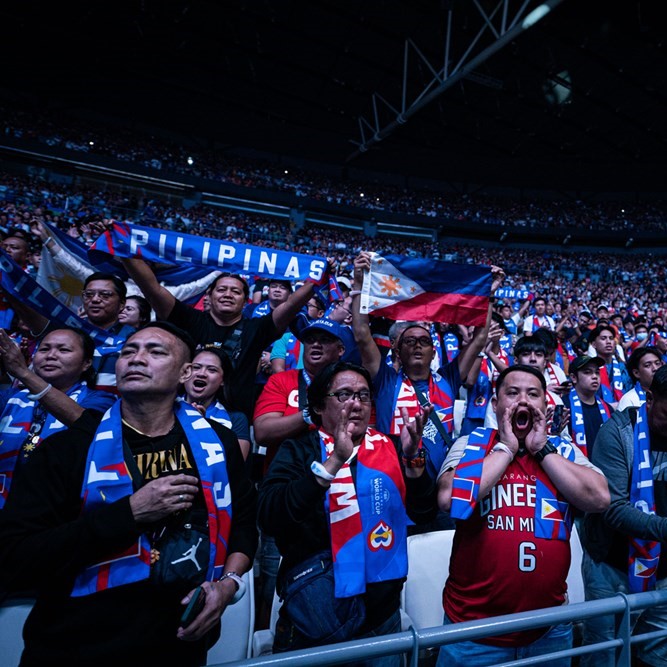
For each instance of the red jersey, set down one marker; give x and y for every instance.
(498, 566)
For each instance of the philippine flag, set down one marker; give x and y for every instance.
(407, 288)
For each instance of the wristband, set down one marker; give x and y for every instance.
(416, 461)
(354, 292)
(545, 451)
(240, 585)
(320, 471)
(41, 394)
(501, 447)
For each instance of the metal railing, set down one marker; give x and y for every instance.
(412, 641)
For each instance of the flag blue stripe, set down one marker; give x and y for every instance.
(444, 277)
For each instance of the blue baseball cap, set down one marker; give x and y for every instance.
(323, 324)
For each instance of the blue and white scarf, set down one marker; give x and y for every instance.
(107, 479)
(578, 428)
(15, 423)
(644, 555)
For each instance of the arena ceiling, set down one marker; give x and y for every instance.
(578, 101)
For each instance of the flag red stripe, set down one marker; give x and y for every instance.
(435, 307)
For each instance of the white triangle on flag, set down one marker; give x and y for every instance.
(384, 285)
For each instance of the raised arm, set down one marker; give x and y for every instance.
(56, 402)
(370, 354)
(468, 354)
(159, 297)
(287, 311)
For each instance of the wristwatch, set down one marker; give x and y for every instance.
(240, 585)
(545, 451)
(416, 461)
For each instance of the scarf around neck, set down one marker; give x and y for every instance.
(440, 396)
(107, 479)
(644, 555)
(578, 427)
(17, 418)
(553, 515)
(367, 516)
(611, 389)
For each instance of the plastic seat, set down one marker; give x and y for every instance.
(575, 579)
(13, 613)
(262, 640)
(238, 625)
(428, 569)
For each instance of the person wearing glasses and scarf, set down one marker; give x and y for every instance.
(340, 498)
(414, 384)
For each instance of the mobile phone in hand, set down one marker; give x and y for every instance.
(195, 605)
(556, 420)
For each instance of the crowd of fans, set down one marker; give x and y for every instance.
(164, 155)
(317, 403)
(613, 279)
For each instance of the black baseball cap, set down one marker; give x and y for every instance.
(583, 360)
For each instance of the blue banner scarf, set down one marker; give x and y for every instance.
(641, 394)
(107, 479)
(18, 283)
(578, 428)
(367, 516)
(451, 343)
(512, 294)
(553, 515)
(167, 275)
(437, 348)
(17, 418)
(178, 249)
(644, 555)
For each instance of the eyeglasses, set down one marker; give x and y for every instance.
(341, 305)
(411, 341)
(314, 305)
(105, 295)
(344, 395)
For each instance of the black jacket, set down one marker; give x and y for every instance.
(45, 541)
(291, 509)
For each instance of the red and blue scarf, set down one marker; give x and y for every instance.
(107, 479)
(553, 515)
(367, 517)
(17, 418)
(440, 395)
(644, 555)
(612, 389)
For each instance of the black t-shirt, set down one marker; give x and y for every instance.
(256, 334)
(45, 540)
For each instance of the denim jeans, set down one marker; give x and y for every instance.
(269, 562)
(288, 638)
(474, 654)
(602, 581)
